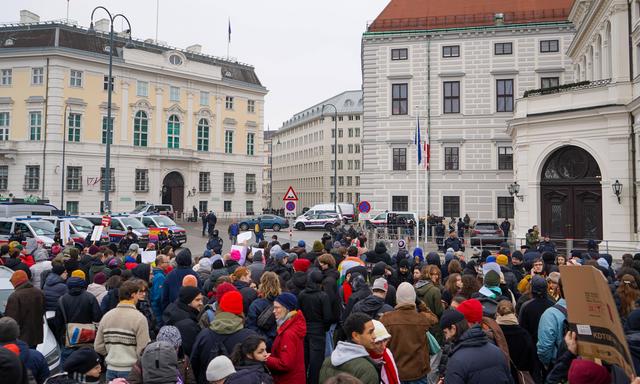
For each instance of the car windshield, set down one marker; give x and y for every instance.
(139, 208)
(43, 228)
(487, 226)
(133, 223)
(82, 225)
(164, 221)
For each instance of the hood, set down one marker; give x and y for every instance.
(370, 304)
(53, 279)
(183, 258)
(346, 352)
(295, 324)
(474, 337)
(142, 272)
(433, 258)
(40, 255)
(379, 268)
(448, 257)
(299, 279)
(417, 252)
(422, 283)
(96, 289)
(380, 248)
(76, 285)
(226, 323)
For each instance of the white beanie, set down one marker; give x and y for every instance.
(220, 368)
(405, 294)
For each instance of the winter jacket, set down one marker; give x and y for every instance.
(329, 285)
(227, 329)
(17, 265)
(54, 288)
(256, 269)
(285, 362)
(248, 294)
(474, 360)
(360, 292)
(297, 283)
(352, 359)
(96, 266)
(255, 309)
(145, 308)
(250, 373)
(283, 271)
(410, 345)
(173, 282)
(550, 334)
(97, 290)
(510, 280)
(453, 243)
(110, 300)
(184, 369)
(430, 295)
(530, 314)
(378, 254)
(373, 306)
(521, 349)
(633, 340)
(185, 318)
(155, 293)
(315, 306)
(39, 267)
(32, 360)
(76, 306)
(26, 306)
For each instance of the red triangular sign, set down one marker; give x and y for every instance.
(290, 195)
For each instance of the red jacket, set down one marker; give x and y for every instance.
(286, 362)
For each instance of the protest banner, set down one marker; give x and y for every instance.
(148, 257)
(96, 235)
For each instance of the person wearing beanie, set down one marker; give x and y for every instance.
(54, 285)
(285, 361)
(204, 268)
(532, 309)
(173, 281)
(32, 360)
(472, 311)
(97, 288)
(279, 264)
(26, 305)
(183, 314)
(379, 253)
(79, 273)
(227, 328)
(190, 281)
(257, 266)
(408, 329)
(375, 305)
(83, 365)
(219, 370)
(316, 250)
(382, 356)
(301, 265)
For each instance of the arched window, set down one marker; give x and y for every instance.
(606, 56)
(597, 68)
(140, 129)
(203, 135)
(173, 132)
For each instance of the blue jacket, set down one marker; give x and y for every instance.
(255, 309)
(475, 360)
(550, 333)
(155, 295)
(54, 288)
(32, 360)
(173, 282)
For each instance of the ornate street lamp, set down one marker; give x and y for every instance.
(617, 190)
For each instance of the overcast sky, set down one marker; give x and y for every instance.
(303, 51)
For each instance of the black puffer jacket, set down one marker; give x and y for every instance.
(250, 373)
(373, 306)
(297, 283)
(79, 307)
(360, 291)
(378, 254)
(329, 285)
(315, 305)
(54, 288)
(248, 294)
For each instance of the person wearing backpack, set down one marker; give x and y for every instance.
(225, 332)
(258, 231)
(260, 317)
(33, 361)
(551, 330)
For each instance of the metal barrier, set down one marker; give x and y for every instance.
(617, 247)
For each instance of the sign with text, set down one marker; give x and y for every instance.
(290, 208)
(244, 236)
(96, 235)
(148, 257)
(243, 253)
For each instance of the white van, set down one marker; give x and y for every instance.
(12, 209)
(34, 230)
(348, 211)
(323, 208)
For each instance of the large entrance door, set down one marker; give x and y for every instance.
(571, 196)
(173, 191)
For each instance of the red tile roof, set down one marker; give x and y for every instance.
(401, 15)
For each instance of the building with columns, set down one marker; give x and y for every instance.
(576, 161)
(187, 127)
(464, 63)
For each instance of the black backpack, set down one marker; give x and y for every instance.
(266, 320)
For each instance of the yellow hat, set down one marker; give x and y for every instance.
(502, 260)
(79, 273)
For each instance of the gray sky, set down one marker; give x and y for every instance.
(303, 51)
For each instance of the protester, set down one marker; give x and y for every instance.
(26, 305)
(382, 356)
(241, 278)
(249, 361)
(32, 360)
(173, 281)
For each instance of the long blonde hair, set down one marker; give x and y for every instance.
(269, 285)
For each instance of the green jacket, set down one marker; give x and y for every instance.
(432, 298)
(352, 359)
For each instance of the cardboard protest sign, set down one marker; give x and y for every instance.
(243, 253)
(244, 236)
(148, 257)
(96, 235)
(65, 231)
(594, 317)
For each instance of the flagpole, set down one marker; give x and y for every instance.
(428, 154)
(228, 38)
(417, 140)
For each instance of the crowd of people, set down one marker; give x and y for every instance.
(340, 310)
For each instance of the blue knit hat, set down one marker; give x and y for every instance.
(288, 300)
(302, 244)
(417, 252)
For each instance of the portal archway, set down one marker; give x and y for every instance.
(173, 191)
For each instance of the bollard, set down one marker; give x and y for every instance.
(569, 246)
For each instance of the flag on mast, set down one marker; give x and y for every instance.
(418, 142)
(229, 34)
(427, 150)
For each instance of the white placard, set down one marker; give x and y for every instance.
(243, 253)
(244, 236)
(65, 232)
(96, 235)
(148, 257)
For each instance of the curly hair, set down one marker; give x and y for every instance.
(239, 273)
(470, 285)
(628, 294)
(269, 285)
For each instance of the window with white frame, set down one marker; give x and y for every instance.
(251, 106)
(32, 178)
(37, 76)
(228, 141)
(173, 132)
(142, 88)
(204, 98)
(204, 182)
(75, 78)
(140, 129)
(112, 179)
(203, 135)
(35, 125)
(142, 180)
(73, 125)
(549, 82)
(6, 76)
(174, 94)
(4, 177)
(228, 102)
(251, 139)
(228, 184)
(250, 182)
(74, 179)
(107, 128)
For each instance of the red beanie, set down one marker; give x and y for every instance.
(588, 372)
(222, 289)
(472, 310)
(301, 265)
(231, 302)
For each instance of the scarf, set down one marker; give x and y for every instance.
(286, 317)
(389, 373)
(509, 319)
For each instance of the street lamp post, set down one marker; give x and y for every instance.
(335, 154)
(110, 82)
(64, 147)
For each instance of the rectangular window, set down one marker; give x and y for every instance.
(174, 94)
(142, 88)
(350, 148)
(73, 125)
(549, 82)
(503, 49)
(339, 164)
(32, 178)
(5, 79)
(349, 181)
(451, 51)
(142, 180)
(107, 128)
(340, 181)
(204, 98)
(75, 78)
(227, 206)
(4, 177)
(4, 126)
(250, 183)
(228, 183)
(333, 149)
(350, 132)
(228, 102)
(356, 164)
(340, 133)
(37, 76)
(451, 158)
(203, 206)
(203, 135)
(228, 141)
(505, 207)
(357, 132)
(399, 159)
(357, 148)
(74, 179)
(399, 203)
(204, 182)
(451, 96)
(451, 206)
(399, 99)
(332, 181)
(251, 138)
(140, 129)
(251, 108)
(105, 83)
(399, 54)
(333, 133)
(340, 148)
(357, 181)
(504, 95)
(548, 46)
(249, 207)
(35, 126)
(72, 207)
(112, 179)
(505, 159)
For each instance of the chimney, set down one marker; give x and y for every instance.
(195, 48)
(28, 17)
(498, 18)
(102, 25)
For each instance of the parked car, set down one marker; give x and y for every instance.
(381, 220)
(161, 221)
(34, 229)
(156, 209)
(20, 208)
(486, 233)
(268, 222)
(118, 227)
(318, 220)
(348, 211)
(324, 208)
(79, 227)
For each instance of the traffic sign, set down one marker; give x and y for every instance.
(364, 206)
(290, 208)
(290, 195)
(106, 221)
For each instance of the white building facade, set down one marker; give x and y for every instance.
(466, 75)
(304, 153)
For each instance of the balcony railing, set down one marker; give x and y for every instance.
(567, 87)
